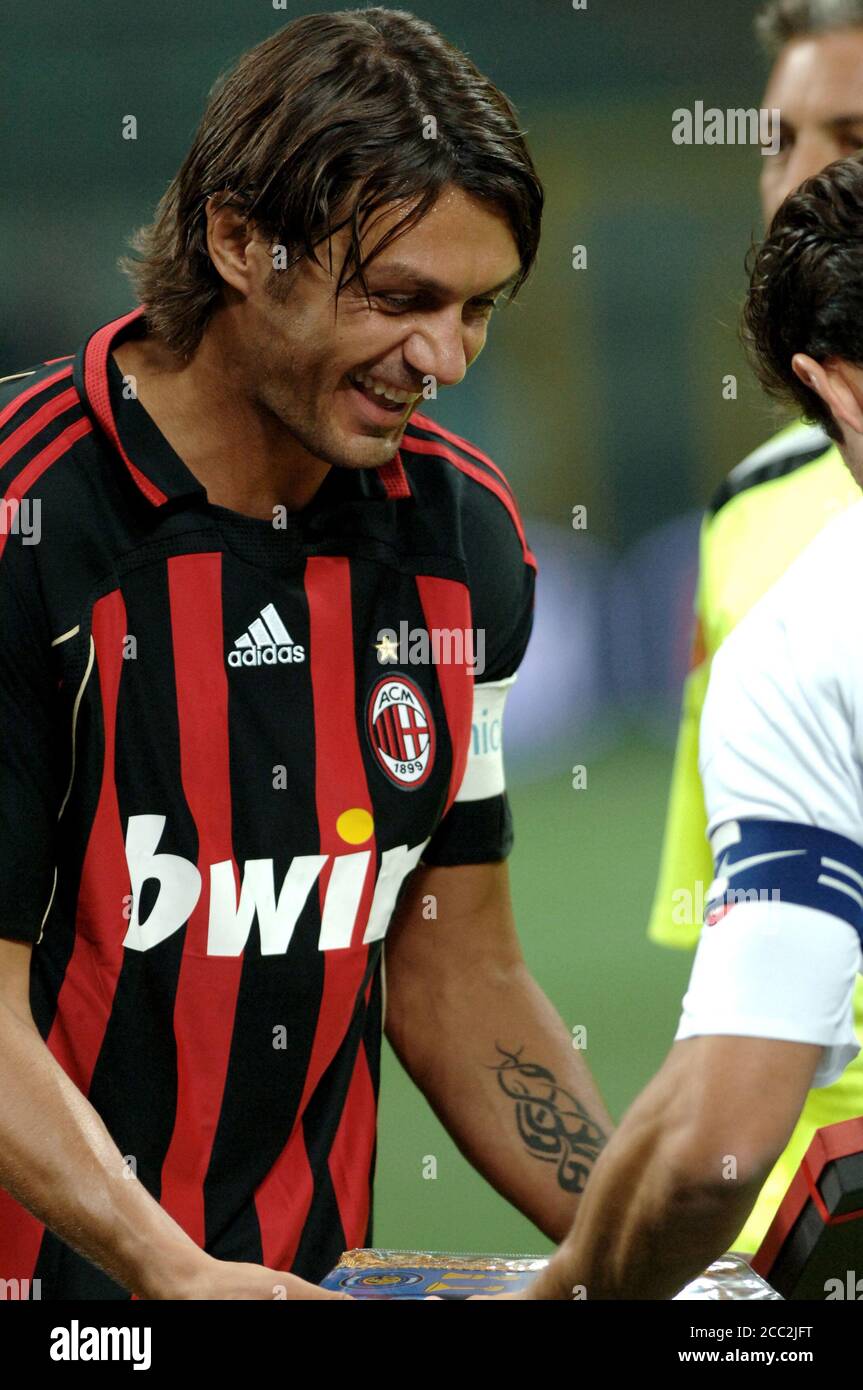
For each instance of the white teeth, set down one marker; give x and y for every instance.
(397, 397)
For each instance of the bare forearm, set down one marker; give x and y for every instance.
(652, 1219)
(58, 1160)
(683, 1171)
(498, 1066)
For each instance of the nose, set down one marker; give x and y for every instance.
(437, 348)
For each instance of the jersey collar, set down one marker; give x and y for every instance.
(158, 471)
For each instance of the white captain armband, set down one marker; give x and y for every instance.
(780, 950)
(484, 774)
(782, 861)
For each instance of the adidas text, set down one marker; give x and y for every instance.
(266, 656)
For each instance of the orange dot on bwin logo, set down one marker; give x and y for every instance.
(355, 826)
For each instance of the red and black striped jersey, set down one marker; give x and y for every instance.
(213, 789)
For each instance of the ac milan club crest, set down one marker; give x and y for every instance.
(401, 731)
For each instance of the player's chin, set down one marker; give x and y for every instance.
(350, 455)
(364, 449)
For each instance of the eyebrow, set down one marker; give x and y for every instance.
(831, 122)
(432, 286)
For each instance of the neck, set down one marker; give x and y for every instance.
(240, 451)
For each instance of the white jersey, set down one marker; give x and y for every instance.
(782, 767)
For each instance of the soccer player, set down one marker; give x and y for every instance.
(228, 776)
(769, 507)
(769, 1009)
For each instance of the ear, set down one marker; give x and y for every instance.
(230, 239)
(834, 380)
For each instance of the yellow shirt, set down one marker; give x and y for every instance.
(766, 512)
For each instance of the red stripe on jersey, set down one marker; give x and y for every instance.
(207, 986)
(99, 396)
(9, 410)
(446, 604)
(87, 993)
(429, 446)
(36, 422)
(282, 1201)
(394, 478)
(33, 471)
(424, 423)
(340, 777)
(340, 785)
(351, 1155)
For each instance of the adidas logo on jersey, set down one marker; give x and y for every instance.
(266, 642)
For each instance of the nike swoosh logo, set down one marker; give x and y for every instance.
(729, 871)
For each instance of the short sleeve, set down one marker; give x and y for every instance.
(478, 827)
(31, 765)
(780, 949)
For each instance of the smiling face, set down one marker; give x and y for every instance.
(817, 85)
(319, 366)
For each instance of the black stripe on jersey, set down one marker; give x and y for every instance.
(396, 806)
(425, 430)
(774, 468)
(323, 1239)
(373, 1042)
(18, 385)
(22, 407)
(75, 825)
(265, 1081)
(134, 1084)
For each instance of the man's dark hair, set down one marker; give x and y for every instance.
(319, 128)
(806, 286)
(780, 21)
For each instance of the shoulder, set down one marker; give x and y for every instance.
(779, 733)
(792, 448)
(42, 419)
(813, 607)
(768, 510)
(447, 469)
(466, 492)
(26, 390)
(819, 589)
(785, 688)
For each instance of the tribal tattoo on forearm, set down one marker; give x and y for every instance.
(554, 1126)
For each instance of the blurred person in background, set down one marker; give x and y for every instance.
(769, 1012)
(769, 508)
